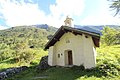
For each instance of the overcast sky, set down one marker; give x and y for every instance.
(54, 12)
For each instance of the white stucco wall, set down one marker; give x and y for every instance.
(74, 45)
(89, 52)
(51, 56)
(83, 51)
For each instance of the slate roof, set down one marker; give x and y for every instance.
(91, 28)
(64, 29)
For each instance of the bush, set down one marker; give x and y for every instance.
(108, 60)
(26, 55)
(108, 69)
(110, 36)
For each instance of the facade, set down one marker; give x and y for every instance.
(71, 46)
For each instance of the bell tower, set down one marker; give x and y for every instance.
(68, 22)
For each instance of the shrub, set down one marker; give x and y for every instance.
(108, 60)
(110, 36)
(26, 55)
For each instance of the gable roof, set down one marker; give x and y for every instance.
(64, 29)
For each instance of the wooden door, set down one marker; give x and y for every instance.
(70, 61)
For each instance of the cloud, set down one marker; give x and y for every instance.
(62, 8)
(101, 19)
(67, 7)
(2, 27)
(1, 17)
(22, 13)
(28, 13)
(104, 16)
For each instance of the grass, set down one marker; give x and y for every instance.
(8, 63)
(107, 68)
(61, 73)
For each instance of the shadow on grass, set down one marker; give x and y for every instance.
(73, 73)
(28, 74)
(59, 73)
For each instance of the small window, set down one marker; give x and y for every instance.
(86, 36)
(67, 41)
(61, 54)
(58, 55)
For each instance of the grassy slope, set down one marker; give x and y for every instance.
(8, 63)
(108, 57)
(26, 37)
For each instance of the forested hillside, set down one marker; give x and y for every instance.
(31, 36)
(22, 43)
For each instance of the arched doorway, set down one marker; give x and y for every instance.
(68, 57)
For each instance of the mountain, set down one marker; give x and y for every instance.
(90, 28)
(35, 36)
(95, 29)
(43, 26)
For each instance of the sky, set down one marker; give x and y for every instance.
(54, 12)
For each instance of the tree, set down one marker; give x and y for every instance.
(115, 6)
(110, 36)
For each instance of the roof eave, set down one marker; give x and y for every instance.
(46, 46)
(63, 28)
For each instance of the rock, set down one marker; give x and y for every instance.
(3, 75)
(24, 68)
(11, 72)
(17, 70)
(43, 64)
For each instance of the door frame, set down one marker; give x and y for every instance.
(70, 57)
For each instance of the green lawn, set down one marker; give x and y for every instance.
(107, 68)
